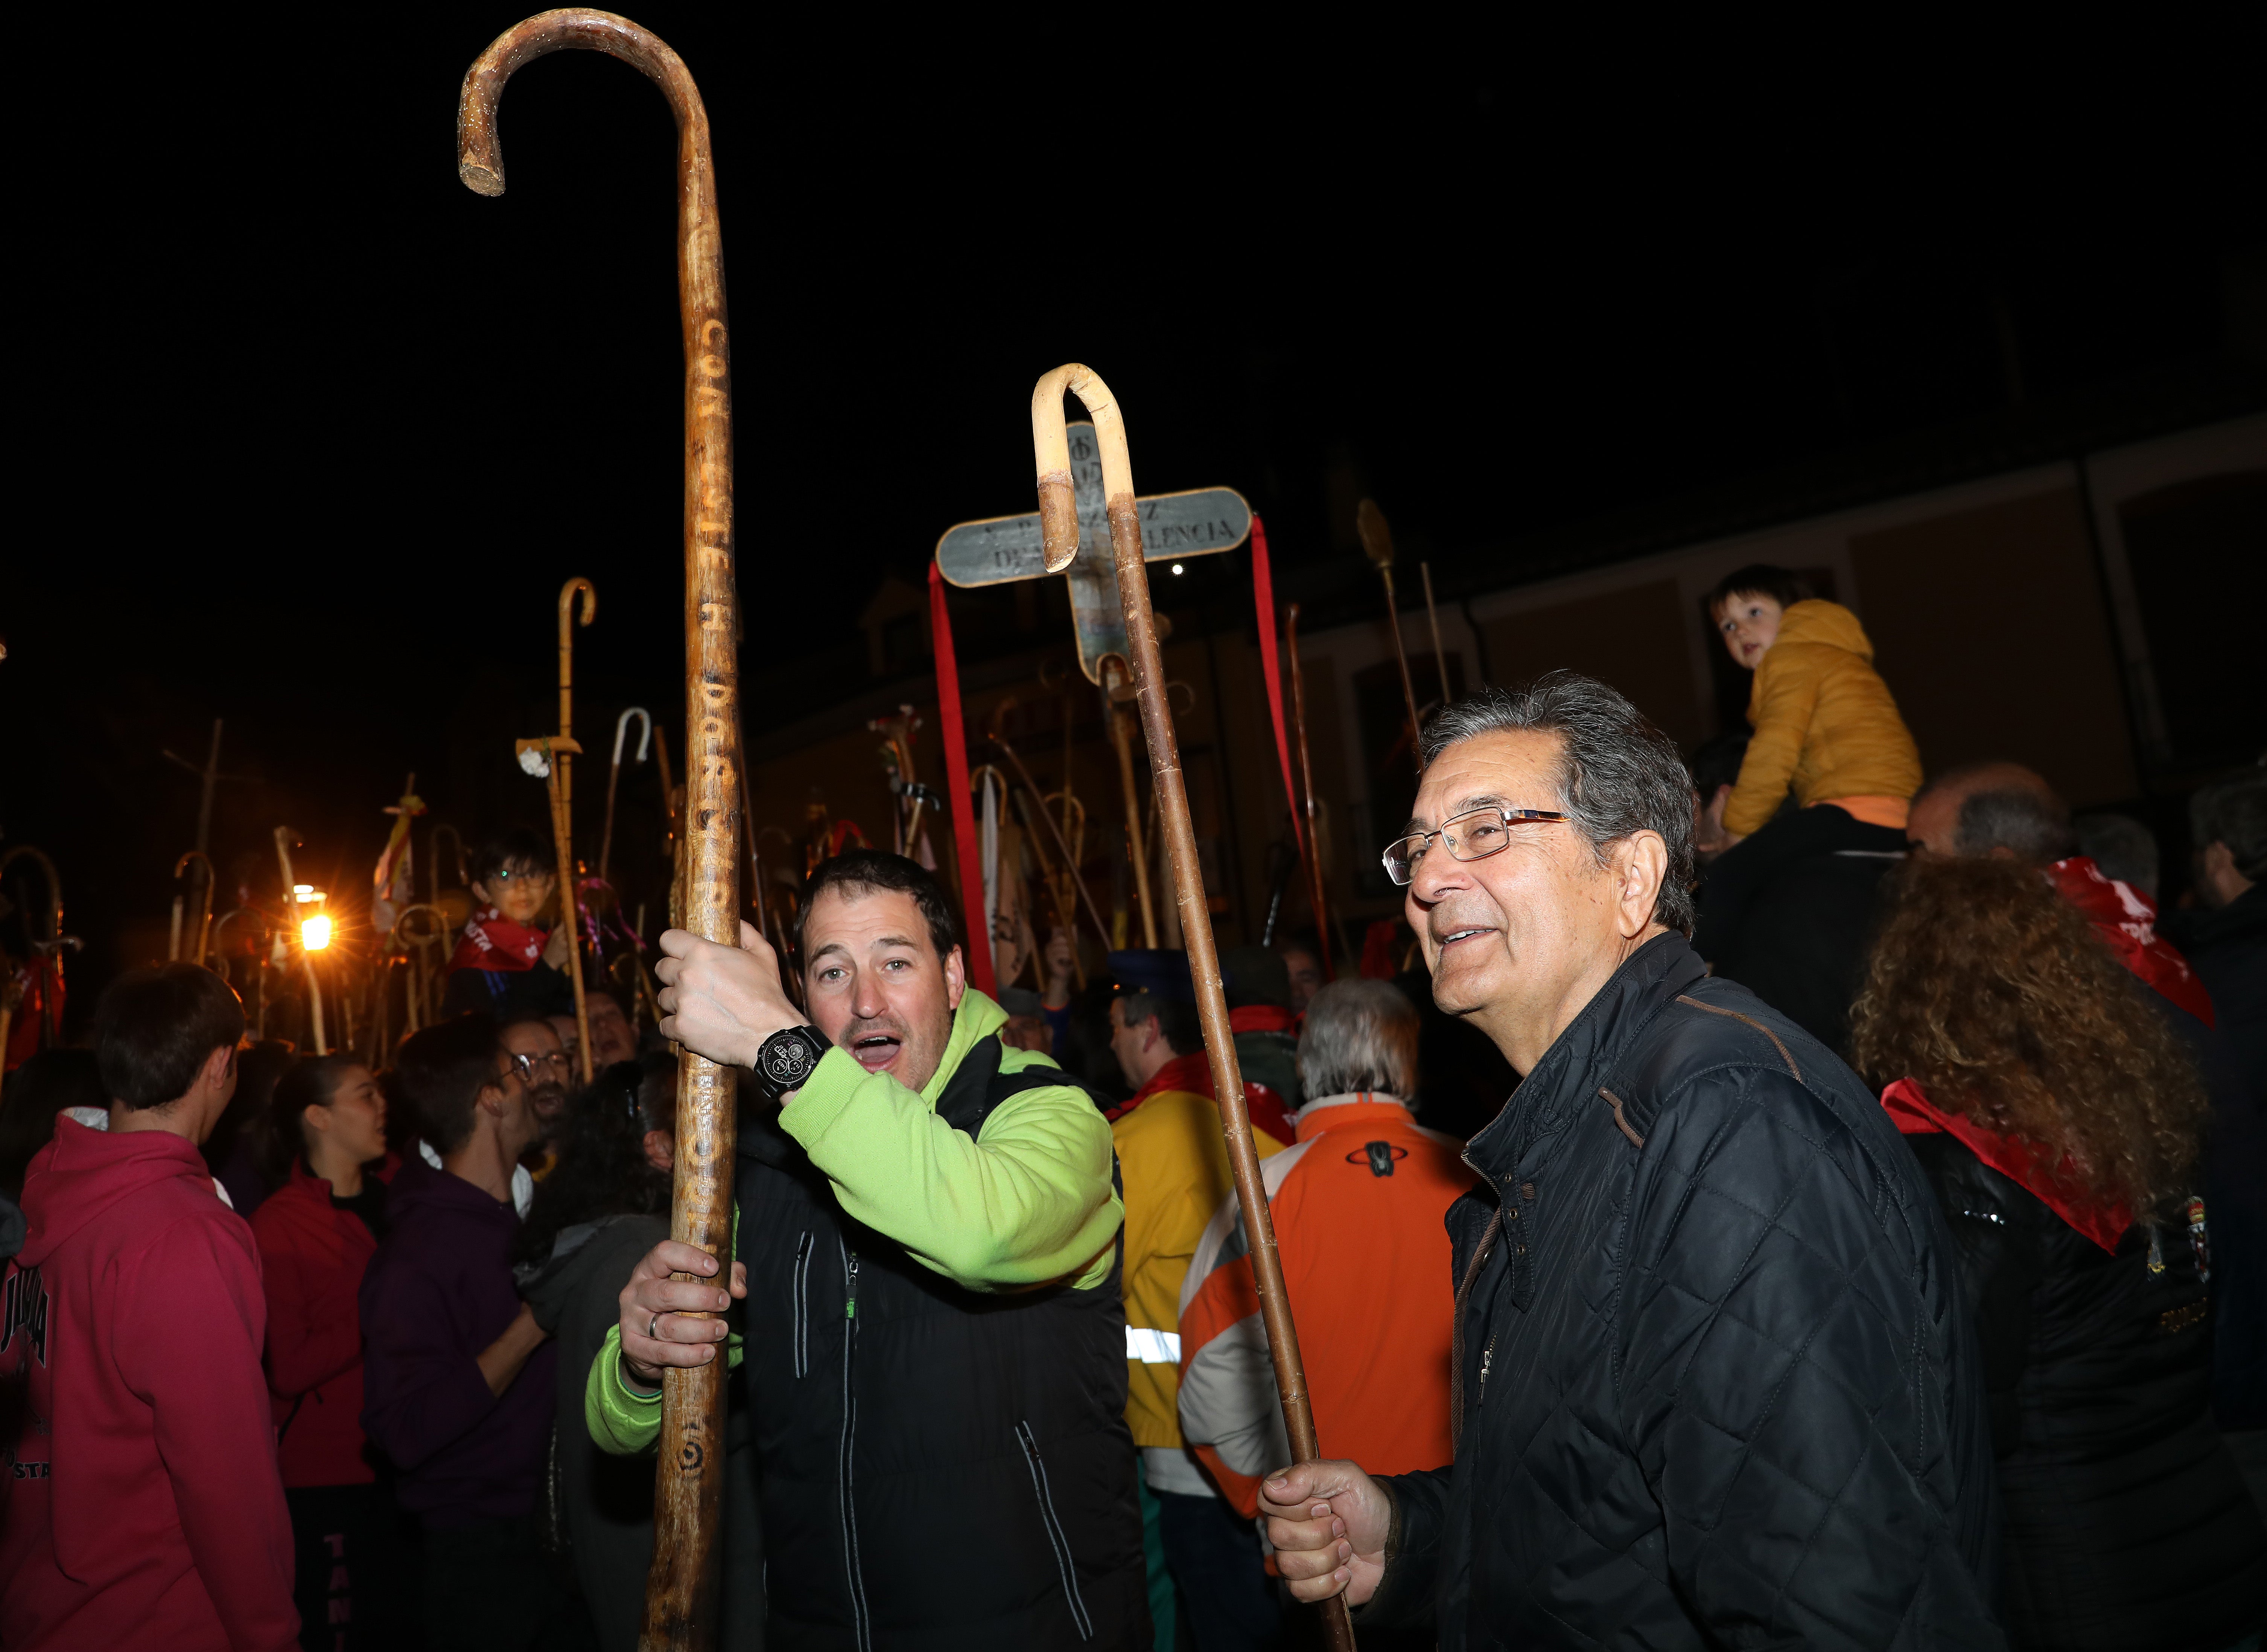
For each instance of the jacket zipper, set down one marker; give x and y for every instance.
(803, 1306)
(1057, 1539)
(860, 1625)
(1487, 1358)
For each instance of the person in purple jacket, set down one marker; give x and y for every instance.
(458, 1377)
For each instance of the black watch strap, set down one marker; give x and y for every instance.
(787, 1059)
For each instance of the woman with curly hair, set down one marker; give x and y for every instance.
(2059, 1122)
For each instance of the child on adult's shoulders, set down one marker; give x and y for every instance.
(505, 964)
(1827, 737)
(1826, 726)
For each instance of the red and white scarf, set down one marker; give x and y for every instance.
(493, 941)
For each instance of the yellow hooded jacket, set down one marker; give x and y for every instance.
(1825, 722)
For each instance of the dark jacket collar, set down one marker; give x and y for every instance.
(1594, 1041)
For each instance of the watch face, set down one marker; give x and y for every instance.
(787, 1060)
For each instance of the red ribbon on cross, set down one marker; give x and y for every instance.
(964, 808)
(1263, 597)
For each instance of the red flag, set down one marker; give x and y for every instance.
(1263, 597)
(956, 772)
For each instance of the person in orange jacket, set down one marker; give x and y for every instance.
(1358, 1205)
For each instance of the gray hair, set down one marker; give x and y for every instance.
(1617, 774)
(1359, 1036)
(2233, 811)
(2031, 825)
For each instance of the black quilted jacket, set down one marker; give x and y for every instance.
(2125, 1522)
(1713, 1383)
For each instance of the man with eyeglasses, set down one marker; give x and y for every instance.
(459, 1380)
(544, 1066)
(1711, 1381)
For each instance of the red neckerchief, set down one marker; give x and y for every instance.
(1193, 1072)
(2022, 1162)
(2127, 918)
(493, 941)
(1262, 1018)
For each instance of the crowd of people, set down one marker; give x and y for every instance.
(1794, 1199)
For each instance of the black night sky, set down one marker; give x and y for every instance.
(311, 435)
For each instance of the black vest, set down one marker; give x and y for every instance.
(939, 1467)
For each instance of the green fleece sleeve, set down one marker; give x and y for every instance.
(622, 1420)
(1027, 1203)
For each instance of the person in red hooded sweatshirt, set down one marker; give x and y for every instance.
(316, 1234)
(145, 1508)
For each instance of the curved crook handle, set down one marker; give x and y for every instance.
(622, 728)
(1376, 535)
(999, 717)
(1050, 444)
(182, 865)
(566, 604)
(480, 148)
(400, 936)
(1115, 672)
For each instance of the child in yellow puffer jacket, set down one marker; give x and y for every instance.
(1825, 723)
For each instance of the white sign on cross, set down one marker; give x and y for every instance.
(1002, 550)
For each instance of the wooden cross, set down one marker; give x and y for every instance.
(1004, 550)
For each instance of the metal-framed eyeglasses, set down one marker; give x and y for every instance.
(528, 1066)
(1474, 834)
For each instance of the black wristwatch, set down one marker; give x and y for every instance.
(787, 1059)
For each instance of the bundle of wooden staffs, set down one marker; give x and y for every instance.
(681, 1600)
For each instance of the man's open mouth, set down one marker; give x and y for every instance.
(1453, 937)
(875, 1050)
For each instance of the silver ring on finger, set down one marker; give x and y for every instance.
(653, 1329)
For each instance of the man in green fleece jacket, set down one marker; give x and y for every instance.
(928, 1249)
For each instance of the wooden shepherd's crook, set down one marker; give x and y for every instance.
(1378, 545)
(1433, 619)
(1059, 517)
(547, 755)
(1115, 687)
(204, 917)
(567, 683)
(1307, 786)
(681, 1604)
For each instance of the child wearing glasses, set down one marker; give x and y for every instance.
(504, 964)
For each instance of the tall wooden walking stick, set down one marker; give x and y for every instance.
(1117, 686)
(1051, 442)
(205, 917)
(546, 756)
(284, 838)
(614, 774)
(567, 593)
(680, 1610)
(1378, 545)
(1433, 618)
(1307, 790)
